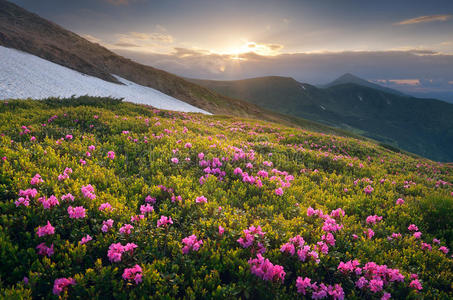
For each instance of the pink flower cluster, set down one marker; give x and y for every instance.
(44, 250)
(85, 239)
(373, 219)
(36, 180)
(111, 155)
(297, 243)
(201, 199)
(191, 243)
(105, 207)
(77, 212)
(106, 225)
(144, 209)
(264, 269)
(248, 238)
(372, 276)
(134, 273)
(67, 196)
(60, 284)
(25, 197)
(50, 202)
(368, 189)
(164, 221)
(126, 229)
(319, 291)
(116, 251)
(45, 230)
(88, 191)
(65, 174)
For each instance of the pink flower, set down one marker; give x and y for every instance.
(144, 209)
(373, 219)
(106, 225)
(134, 274)
(369, 233)
(222, 230)
(416, 284)
(111, 155)
(303, 284)
(116, 251)
(60, 284)
(191, 243)
(264, 269)
(400, 201)
(386, 296)
(279, 191)
(36, 180)
(126, 229)
(175, 160)
(67, 196)
(201, 199)
(188, 145)
(368, 189)
(200, 155)
(88, 191)
(91, 148)
(77, 212)
(85, 239)
(22, 201)
(444, 249)
(49, 203)
(44, 250)
(28, 193)
(105, 206)
(375, 285)
(417, 235)
(150, 199)
(163, 221)
(45, 230)
(412, 227)
(69, 137)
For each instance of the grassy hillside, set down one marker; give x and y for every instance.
(104, 199)
(421, 126)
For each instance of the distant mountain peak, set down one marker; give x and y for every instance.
(349, 78)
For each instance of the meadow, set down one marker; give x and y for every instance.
(102, 199)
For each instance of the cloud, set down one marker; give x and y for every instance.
(92, 38)
(118, 2)
(409, 71)
(411, 82)
(425, 19)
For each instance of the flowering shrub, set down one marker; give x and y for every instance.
(113, 200)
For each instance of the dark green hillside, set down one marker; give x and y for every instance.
(421, 126)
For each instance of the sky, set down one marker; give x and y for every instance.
(403, 44)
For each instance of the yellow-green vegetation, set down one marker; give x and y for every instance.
(211, 207)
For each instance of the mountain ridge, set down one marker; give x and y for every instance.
(421, 126)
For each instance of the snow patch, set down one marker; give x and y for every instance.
(24, 75)
(322, 107)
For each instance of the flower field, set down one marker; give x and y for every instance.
(102, 199)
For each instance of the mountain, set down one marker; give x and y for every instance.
(349, 78)
(28, 32)
(421, 126)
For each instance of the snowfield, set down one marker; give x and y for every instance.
(23, 75)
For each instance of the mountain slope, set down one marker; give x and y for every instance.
(25, 31)
(349, 78)
(27, 76)
(422, 126)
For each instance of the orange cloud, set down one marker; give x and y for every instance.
(411, 82)
(425, 19)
